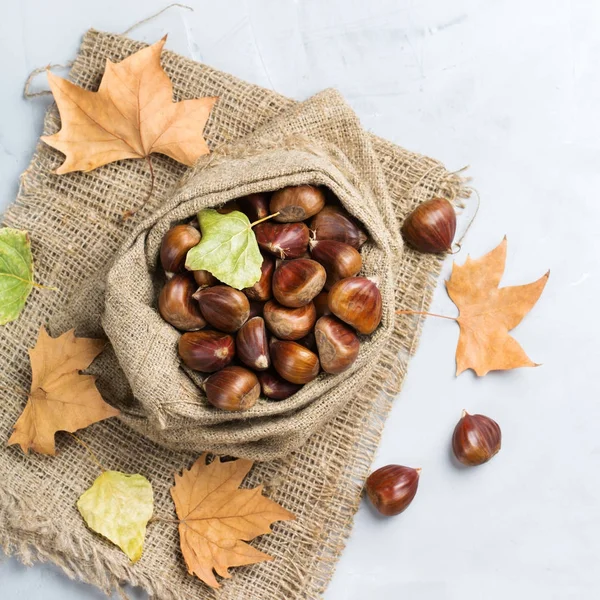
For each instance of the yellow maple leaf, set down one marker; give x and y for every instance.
(132, 115)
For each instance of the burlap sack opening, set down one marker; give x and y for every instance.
(165, 401)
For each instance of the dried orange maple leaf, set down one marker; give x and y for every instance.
(61, 399)
(487, 313)
(131, 115)
(215, 516)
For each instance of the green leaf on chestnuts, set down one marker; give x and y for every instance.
(228, 249)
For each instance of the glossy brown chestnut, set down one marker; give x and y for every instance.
(232, 388)
(340, 260)
(334, 223)
(177, 306)
(392, 488)
(254, 206)
(251, 344)
(284, 240)
(476, 439)
(321, 302)
(296, 203)
(223, 307)
(337, 344)
(431, 226)
(357, 301)
(175, 245)
(294, 362)
(206, 351)
(261, 290)
(275, 387)
(297, 282)
(204, 279)
(289, 323)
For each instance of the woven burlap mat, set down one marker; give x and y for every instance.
(75, 225)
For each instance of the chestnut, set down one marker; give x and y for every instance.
(297, 282)
(232, 388)
(224, 307)
(431, 226)
(206, 351)
(251, 344)
(392, 488)
(175, 245)
(294, 362)
(284, 240)
(476, 439)
(177, 306)
(289, 323)
(297, 203)
(357, 301)
(334, 223)
(254, 206)
(204, 279)
(340, 260)
(261, 290)
(337, 344)
(275, 387)
(229, 207)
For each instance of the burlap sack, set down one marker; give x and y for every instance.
(75, 227)
(318, 142)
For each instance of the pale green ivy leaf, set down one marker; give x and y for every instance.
(228, 249)
(16, 273)
(119, 506)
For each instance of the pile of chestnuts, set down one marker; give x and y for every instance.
(305, 315)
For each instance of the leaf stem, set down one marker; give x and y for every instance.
(130, 213)
(30, 282)
(428, 314)
(264, 219)
(94, 457)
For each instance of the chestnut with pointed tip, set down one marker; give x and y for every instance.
(296, 203)
(284, 240)
(275, 387)
(337, 344)
(340, 260)
(289, 323)
(431, 226)
(206, 351)
(297, 282)
(357, 301)
(261, 290)
(254, 206)
(251, 344)
(294, 362)
(223, 307)
(476, 439)
(175, 245)
(334, 223)
(177, 306)
(392, 488)
(232, 388)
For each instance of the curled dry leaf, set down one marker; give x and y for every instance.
(217, 518)
(132, 115)
(61, 398)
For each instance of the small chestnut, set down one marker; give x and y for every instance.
(334, 223)
(476, 439)
(224, 307)
(431, 226)
(204, 279)
(275, 387)
(297, 203)
(357, 301)
(254, 206)
(294, 362)
(337, 344)
(206, 351)
(261, 290)
(232, 388)
(177, 306)
(251, 344)
(340, 260)
(289, 323)
(175, 245)
(297, 282)
(392, 488)
(284, 240)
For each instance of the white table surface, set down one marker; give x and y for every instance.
(510, 87)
